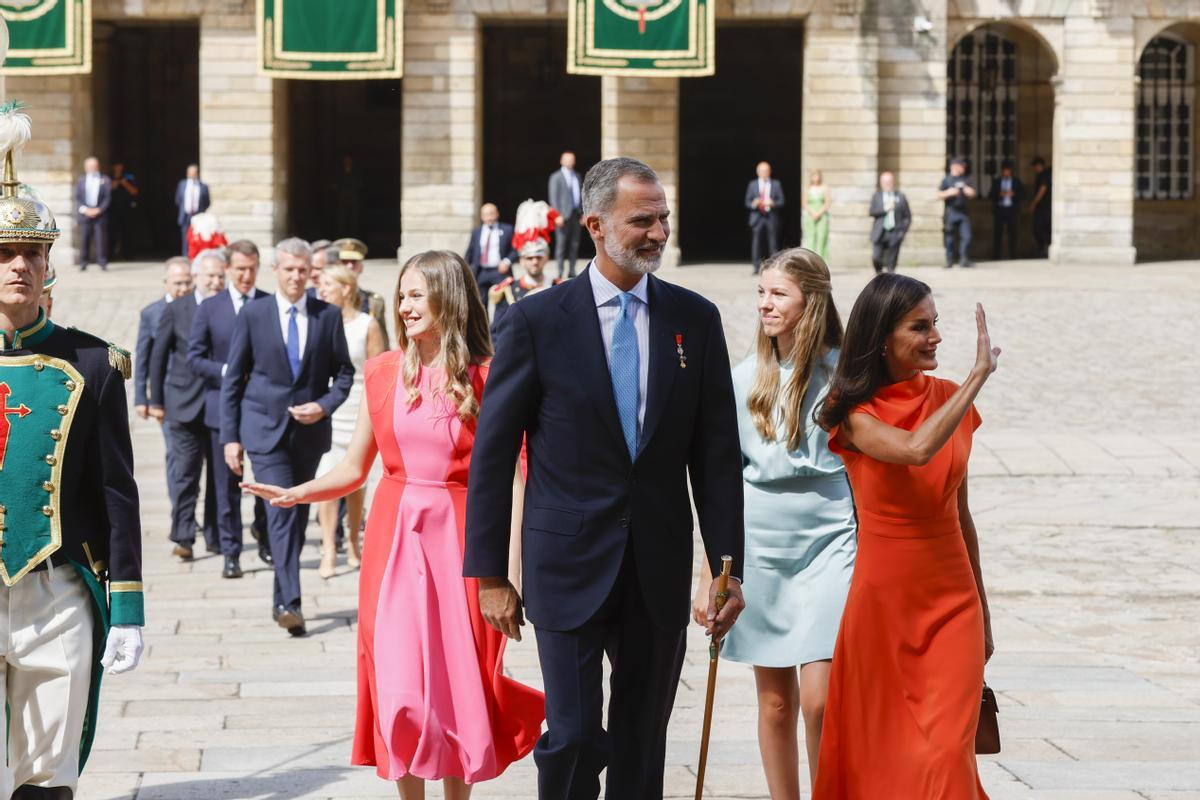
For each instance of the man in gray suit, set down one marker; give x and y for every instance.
(565, 198)
(764, 196)
(892, 216)
(93, 193)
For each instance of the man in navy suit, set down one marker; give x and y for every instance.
(289, 369)
(191, 198)
(764, 196)
(621, 384)
(177, 281)
(177, 401)
(208, 351)
(93, 195)
(490, 252)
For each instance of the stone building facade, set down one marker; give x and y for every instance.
(1070, 81)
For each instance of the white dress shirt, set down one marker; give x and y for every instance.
(608, 308)
(1005, 186)
(301, 306)
(489, 248)
(191, 196)
(239, 300)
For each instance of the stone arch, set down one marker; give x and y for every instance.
(1000, 108)
(1166, 161)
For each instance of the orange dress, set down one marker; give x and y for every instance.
(904, 695)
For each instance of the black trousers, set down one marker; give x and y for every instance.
(646, 662)
(286, 465)
(1041, 228)
(191, 451)
(957, 222)
(566, 246)
(486, 278)
(886, 251)
(1004, 228)
(764, 231)
(229, 501)
(93, 232)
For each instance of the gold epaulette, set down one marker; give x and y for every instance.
(121, 360)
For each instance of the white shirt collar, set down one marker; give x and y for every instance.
(284, 304)
(234, 294)
(605, 290)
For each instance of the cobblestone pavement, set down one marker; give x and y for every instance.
(1084, 485)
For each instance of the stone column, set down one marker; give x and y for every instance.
(639, 117)
(841, 123)
(912, 124)
(1093, 142)
(442, 155)
(61, 110)
(241, 138)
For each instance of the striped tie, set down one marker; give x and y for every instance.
(625, 369)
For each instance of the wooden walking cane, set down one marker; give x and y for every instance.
(714, 649)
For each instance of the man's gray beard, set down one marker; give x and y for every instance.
(629, 260)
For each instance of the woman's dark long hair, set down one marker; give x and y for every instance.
(861, 369)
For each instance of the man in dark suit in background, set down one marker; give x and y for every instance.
(592, 373)
(764, 196)
(1040, 205)
(208, 351)
(125, 193)
(955, 190)
(289, 370)
(191, 197)
(565, 194)
(93, 194)
(1007, 195)
(892, 216)
(490, 252)
(177, 400)
(178, 282)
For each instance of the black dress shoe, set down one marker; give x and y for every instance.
(968, 264)
(232, 568)
(264, 554)
(290, 618)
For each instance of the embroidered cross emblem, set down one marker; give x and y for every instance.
(6, 424)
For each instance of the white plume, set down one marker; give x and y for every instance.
(16, 129)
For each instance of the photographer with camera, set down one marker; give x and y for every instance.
(956, 189)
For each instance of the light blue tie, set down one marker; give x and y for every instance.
(293, 343)
(625, 369)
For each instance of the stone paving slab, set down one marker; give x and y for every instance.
(1083, 483)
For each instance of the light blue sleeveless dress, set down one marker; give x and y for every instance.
(800, 535)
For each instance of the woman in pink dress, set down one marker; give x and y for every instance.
(433, 700)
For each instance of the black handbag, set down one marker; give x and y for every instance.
(987, 735)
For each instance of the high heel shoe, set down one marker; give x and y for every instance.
(328, 567)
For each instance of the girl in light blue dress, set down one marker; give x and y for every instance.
(800, 525)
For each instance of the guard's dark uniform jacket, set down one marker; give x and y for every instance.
(67, 492)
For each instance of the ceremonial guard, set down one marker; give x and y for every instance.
(71, 600)
(530, 278)
(351, 254)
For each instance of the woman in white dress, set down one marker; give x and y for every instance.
(339, 287)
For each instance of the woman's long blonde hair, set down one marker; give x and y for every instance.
(462, 322)
(819, 326)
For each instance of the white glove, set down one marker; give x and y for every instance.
(123, 650)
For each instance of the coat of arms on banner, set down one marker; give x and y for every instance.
(641, 37)
(48, 37)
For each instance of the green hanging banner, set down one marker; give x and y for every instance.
(330, 39)
(47, 37)
(660, 38)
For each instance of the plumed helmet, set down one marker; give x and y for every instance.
(23, 215)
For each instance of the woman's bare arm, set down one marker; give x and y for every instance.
(894, 445)
(971, 538)
(349, 474)
(375, 341)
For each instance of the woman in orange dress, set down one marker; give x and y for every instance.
(433, 700)
(904, 695)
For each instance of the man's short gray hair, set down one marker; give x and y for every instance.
(175, 261)
(332, 255)
(217, 253)
(295, 246)
(600, 184)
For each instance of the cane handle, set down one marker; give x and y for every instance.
(723, 582)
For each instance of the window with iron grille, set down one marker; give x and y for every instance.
(1165, 111)
(981, 103)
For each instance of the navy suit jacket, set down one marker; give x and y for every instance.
(103, 198)
(205, 201)
(258, 386)
(585, 499)
(173, 385)
(474, 255)
(208, 348)
(756, 216)
(147, 327)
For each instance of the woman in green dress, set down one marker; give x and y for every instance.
(816, 215)
(800, 524)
